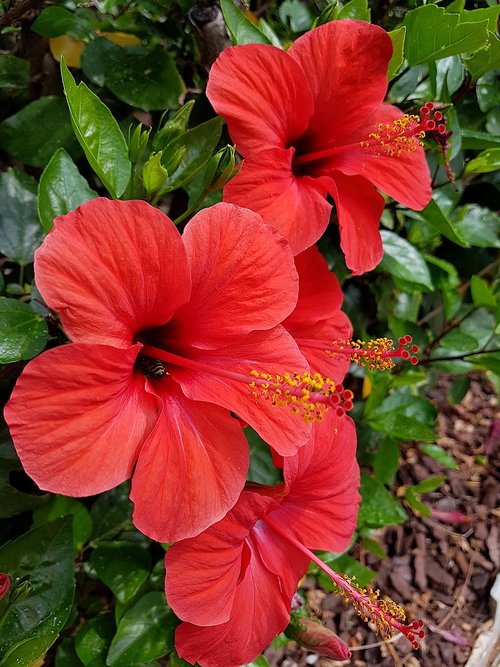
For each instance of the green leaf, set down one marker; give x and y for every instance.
(61, 189)
(45, 557)
(406, 417)
(56, 21)
(356, 9)
(295, 15)
(20, 231)
(93, 639)
(347, 566)
(486, 161)
(122, 69)
(99, 135)
(111, 513)
(145, 632)
(439, 454)
(122, 566)
(482, 294)
(432, 34)
(242, 31)
(378, 506)
(262, 470)
(413, 499)
(23, 333)
(477, 225)
(403, 260)
(434, 215)
(472, 140)
(398, 51)
(385, 463)
(429, 485)
(199, 144)
(374, 547)
(14, 72)
(49, 115)
(66, 654)
(28, 651)
(58, 506)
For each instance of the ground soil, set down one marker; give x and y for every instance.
(438, 572)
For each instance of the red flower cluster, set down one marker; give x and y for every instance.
(177, 341)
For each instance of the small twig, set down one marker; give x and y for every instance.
(457, 357)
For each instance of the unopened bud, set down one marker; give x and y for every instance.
(315, 637)
(4, 585)
(172, 160)
(154, 174)
(330, 13)
(220, 169)
(174, 127)
(137, 142)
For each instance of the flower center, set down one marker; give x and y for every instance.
(386, 615)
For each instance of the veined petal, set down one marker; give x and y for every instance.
(111, 269)
(263, 95)
(404, 177)
(359, 207)
(320, 296)
(191, 470)
(346, 66)
(272, 352)
(202, 573)
(295, 205)
(79, 415)
(243, 277)
(322, 505)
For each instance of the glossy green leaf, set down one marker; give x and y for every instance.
(385, 462)
(55, 21)
(432, 33)
(378, 506)
(20, 231)
(122, 70)
(478, 226)
(45, 556)
(439, 454)
(23, 333)
(434, 215)
(347, 566)
(99, 135)
(486, 161)
(145, 632)
(199, 144)
(28, 651)
(490, 14)
(14, 72)
(402, 260)
(262, 470)
(482, 294)
(66, 654)
(475, 140)
(122, 566)
(93, 639)
(356, 9)
(58, 506)
(111, 513)
(485, 60)
(242, 31)
(49, 115)
(295, 15)
(398, 51)
(406, 417)
(61, 189)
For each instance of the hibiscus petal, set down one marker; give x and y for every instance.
(320, 296)
(359, 207)
(346, 66)
(295, 205)
(272, 352)
(191, 469)
(262, 94)
(406, 177)
(243, 277)
(111, 269)
(78, 416)
(202, 573)
(322, 505)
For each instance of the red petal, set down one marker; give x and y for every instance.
(295, 205)
(359, 207)
(243, 277)
(262, 94)
(202, 573)
(320, 295)
(406, 178)
(190, 471)
(78, 416)
(269, 351)
(111, 269)
(322, 505)
(346, 66)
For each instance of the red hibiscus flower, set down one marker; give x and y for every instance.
(312, 121)
(167, 334)
(234, 583)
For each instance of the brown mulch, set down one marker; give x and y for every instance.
(438, 572)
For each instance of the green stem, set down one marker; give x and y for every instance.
(192, 208)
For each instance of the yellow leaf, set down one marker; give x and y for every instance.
(367, 387)
(121, 38)
(69, 47)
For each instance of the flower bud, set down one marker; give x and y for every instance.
(137, 142)
(330, 13)
(172, 160)
(154, 174)
(174, 127)
(220, 169)
(315, 637)
(4, 585)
